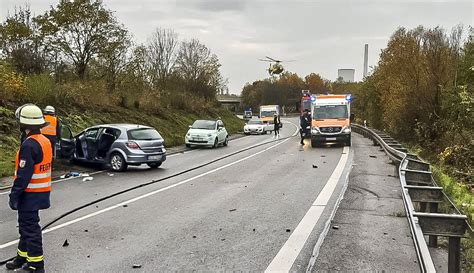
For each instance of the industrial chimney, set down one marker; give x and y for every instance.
(366, 59)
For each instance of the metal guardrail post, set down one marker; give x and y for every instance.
(433, 239)
(454, 255)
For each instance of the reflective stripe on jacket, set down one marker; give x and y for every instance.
(41, 178)
(50, 130)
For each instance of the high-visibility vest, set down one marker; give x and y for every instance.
(50, 130)
(41, 179)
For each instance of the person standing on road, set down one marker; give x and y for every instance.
(276, 125)
(53, 130)
(31, 189)
(305, 121)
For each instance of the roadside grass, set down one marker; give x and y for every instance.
(172, 124)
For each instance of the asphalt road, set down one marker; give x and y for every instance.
(263, 208)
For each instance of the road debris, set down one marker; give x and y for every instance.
(88, 178)
(223, 239)
(125, 206)
(373, 156)
(232, 210)
(66, 243)
(254, 229)
(288, 230)
(136, 266)
(86, 230)
(323, 155)
(110, 174)
(194, 236)
(335, 227)
(315, 166)
(70, 174)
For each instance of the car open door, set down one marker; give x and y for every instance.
(67, 143)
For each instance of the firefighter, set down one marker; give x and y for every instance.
(53, 130)
(31, 189)
(305, 121)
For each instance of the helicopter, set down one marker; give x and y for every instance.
(275, 67)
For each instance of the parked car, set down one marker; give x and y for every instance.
(256, 126)
(207, 133)
(247, 114)
(119, 145)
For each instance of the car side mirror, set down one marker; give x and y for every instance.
(352, 117)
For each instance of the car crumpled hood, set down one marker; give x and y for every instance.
(201, 132)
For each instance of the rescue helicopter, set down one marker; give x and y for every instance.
(275, 67)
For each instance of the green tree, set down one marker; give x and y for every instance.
(80, 30)
(20, 43)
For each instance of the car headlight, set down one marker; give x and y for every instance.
(346, 130)
(315, 130)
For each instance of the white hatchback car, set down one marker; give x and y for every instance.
(207, 133)
(256, 126)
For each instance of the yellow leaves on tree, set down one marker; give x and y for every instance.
(12, 84)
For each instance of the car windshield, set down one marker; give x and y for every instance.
(143, 134)
(204, 124)
(330, 112)
(255, 122)
(267, 113)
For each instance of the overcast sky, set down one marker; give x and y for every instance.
(322, 36)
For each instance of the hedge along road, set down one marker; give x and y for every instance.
(233, 214)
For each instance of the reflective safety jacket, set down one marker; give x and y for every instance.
(32, 185)
(50, 130)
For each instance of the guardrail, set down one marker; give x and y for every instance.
(421, 198)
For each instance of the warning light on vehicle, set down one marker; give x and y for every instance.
(349, 97)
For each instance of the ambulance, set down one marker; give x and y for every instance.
(331, 119)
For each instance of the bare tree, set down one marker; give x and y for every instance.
(161, 54)
(199, 68)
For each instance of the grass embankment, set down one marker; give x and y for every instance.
(172, 125)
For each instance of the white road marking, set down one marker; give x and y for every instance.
(148, 194)
(287, 255)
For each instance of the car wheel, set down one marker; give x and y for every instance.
(154, 165)
(226, 141)
(215, 143)
(117, 162)
(188, 145)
